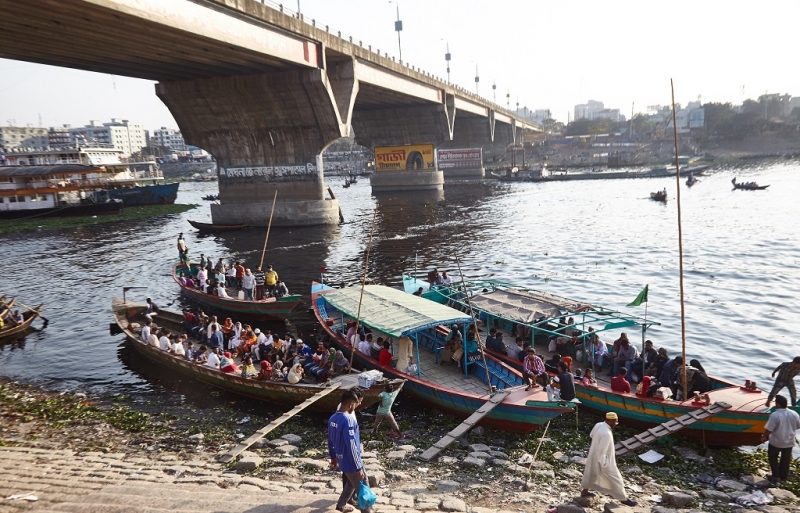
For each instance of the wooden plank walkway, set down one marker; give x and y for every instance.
(668, 428)
(261, 433)
(465, 426)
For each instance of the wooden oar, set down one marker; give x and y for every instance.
(263, 251)
(363, 283)
(36, 312)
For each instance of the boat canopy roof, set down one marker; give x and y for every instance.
(535, 308)
(392, 311)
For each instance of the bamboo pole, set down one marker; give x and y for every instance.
(680, 242)
(263, 251)
(474, 323)
(363, 284)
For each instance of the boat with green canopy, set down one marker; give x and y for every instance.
(417, 330)
(538, 316)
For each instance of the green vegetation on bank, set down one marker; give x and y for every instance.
(61, 223)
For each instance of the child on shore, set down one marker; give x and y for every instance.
(385, 410)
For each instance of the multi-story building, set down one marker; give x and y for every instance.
(27, 137)
(168, 138)
(58, 137)
(596, 110)
(126, 136)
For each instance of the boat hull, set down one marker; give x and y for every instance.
(270, 309)
(28, 318)
(156, 194)
(519, 418)
(280, 393)
(207, 227)
(87, 209)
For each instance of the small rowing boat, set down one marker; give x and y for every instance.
(659, 196)
(422, 326)
(269, 309)
(9, 330)
(747, 186)
(208, 227)
(129, 317)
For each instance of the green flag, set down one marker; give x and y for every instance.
(641, 298)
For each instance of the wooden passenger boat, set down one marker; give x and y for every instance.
(391, 313)
(129, 316)
(208, 227)
(28, 318)
(270, 309)
(6, 307)
(518, 309)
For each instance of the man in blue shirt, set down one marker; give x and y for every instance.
(344, 448)
(216, 338)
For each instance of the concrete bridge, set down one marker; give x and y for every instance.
(262, 90)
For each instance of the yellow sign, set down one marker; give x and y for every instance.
(415, 157)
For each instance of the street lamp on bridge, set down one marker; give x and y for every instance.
(447, 59)
(477, 79)
(398, 26)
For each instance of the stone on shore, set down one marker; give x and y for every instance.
(677, 499)
(782, 495)
(248, 463)
(278, 442)
(473, 462)
(479, 448)
(292, 439)
(570, 508)
(730, 484)
(715, 495)
(287, 449)
(481, 455)
(452, 504)
(396, 455)
(376, 478)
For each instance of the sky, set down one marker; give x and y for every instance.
(553, 54)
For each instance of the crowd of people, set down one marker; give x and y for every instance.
(216, 278)
(239, 348)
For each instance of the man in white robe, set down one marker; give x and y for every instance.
(601, 472)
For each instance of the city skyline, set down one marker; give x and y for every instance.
(561, 56)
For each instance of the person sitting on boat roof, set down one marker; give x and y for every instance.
(533, 369)
(445, 280)
(271, 280)
(419, 292)
(151, 309)
(619, 383)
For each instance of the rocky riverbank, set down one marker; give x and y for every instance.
(110, 448)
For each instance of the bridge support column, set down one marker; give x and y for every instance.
(267, 133)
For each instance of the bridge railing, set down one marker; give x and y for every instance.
(279, 6)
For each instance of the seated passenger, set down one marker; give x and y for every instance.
(213, 358)
(588, 379)
(281, 290)
(177, 346)
(296, 374)
(418, 292)
(566, 382)
(226, 363)
(277, 371)
(385, 357)
(515, 351)
(248, 370)
(552, 364)
(265, 374)
(200, 357)
(619, 383)
(363, 345)
(339, 365)
(644, 387)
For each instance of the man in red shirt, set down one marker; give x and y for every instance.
(385, 356)
(239, 274)
(619, 383)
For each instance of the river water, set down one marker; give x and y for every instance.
(599, 242)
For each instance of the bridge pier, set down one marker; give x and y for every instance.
(267, 133)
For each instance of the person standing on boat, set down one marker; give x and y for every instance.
(780, 430)
(239, 274)
(202, 276)
(248, 284)
(786, 373)
(270, 280)
(259, 276)
(601, 472)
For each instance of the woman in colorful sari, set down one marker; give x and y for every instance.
(226, 363)
(248, 370)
